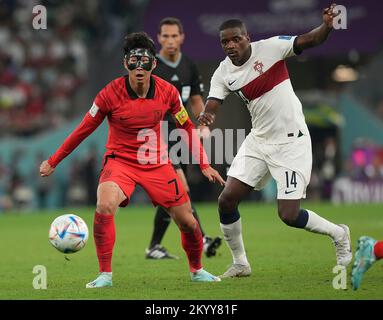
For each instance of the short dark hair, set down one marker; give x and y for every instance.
(233, 23)
(139, 40)
(171, 21)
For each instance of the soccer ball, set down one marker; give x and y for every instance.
(68, 233)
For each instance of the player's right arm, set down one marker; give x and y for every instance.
(217, 94)
(89, 123)
(284, 46)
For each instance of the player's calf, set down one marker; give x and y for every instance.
(291, 215)
(227, 203)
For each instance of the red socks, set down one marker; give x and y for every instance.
(378, 250)
(104, 233)
(192, 243)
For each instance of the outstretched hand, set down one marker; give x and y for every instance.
(46, 169)
(213, 175)
(329, 15)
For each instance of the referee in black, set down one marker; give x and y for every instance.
(179, 70)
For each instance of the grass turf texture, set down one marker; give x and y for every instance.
(287, 263)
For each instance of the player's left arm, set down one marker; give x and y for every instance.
(88, 124)
(191, 138)
(318, 35)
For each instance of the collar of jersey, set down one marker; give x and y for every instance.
(134, 95)
(169, 63)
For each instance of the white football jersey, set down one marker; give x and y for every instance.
(264, 85)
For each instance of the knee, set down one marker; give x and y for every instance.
(288, 216)
(188, 226)
(106, 206)
(186, 222)
(226, 203)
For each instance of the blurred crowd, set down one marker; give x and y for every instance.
(42, 71)
(29, 191)
(366, 163)
(324, 170)
(368, 88)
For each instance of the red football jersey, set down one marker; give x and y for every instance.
(134, 123)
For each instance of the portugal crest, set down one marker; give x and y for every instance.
(258, 67)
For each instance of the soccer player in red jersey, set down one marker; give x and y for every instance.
(135, 104)
(178, 69)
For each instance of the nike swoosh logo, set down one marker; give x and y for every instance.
(124, 118)
(177, 198)
(231, 82)
(287, 192)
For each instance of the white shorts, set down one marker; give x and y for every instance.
(289, 164)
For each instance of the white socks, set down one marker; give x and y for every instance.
(320, 225)
(233, 235)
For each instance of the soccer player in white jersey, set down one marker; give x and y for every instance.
(279, 144)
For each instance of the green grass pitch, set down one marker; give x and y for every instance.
(287, 263)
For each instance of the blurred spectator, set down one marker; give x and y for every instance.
(367, 88)
(328, 169)
(90, 170)
(367, 160)
(314, 191)
(77, 195)
(42, 70)
(362, 178)
(44, 186)
(5, 199)
(21, 193)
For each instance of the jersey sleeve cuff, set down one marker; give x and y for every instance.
(216, 99)
(296, 50)
(204, 166)
(51, 163)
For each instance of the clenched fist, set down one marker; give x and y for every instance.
(46, 169)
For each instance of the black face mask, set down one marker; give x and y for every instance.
(139, 53)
